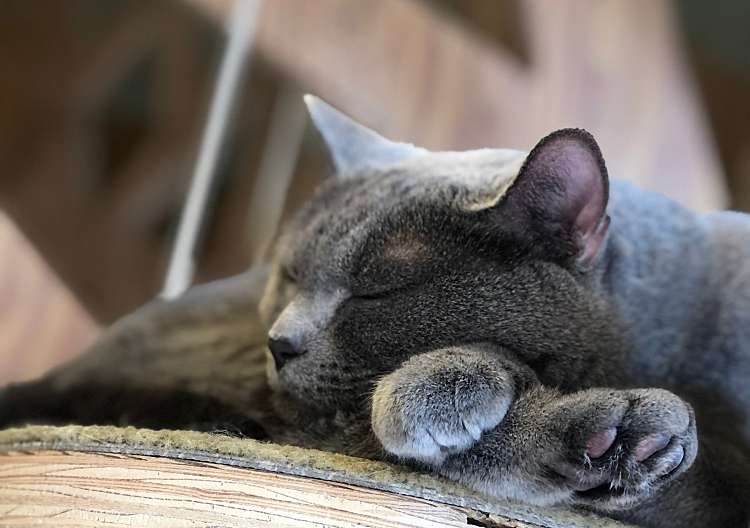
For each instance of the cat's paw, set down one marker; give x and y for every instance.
(621, 446)
(440, 403)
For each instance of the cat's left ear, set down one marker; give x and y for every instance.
(353, 146)
(561, 194)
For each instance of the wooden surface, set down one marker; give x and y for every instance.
(615, 67)
(41, 324)
(50, 488)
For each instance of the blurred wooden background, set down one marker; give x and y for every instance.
(41, 323)
(101, 116)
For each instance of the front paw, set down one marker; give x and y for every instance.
(622, 446)
(440, 403)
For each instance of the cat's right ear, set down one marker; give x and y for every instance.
(560, 197)
(354, 147)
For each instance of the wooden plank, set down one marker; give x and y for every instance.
(51, 488)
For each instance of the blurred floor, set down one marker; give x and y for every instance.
(41, 324)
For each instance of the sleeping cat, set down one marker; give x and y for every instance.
(517, 323)
(476, 314)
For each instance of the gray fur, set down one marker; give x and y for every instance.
(481, 321)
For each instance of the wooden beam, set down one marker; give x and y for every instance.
(50, 488)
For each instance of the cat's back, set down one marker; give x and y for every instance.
(721, 348)
(681, 281)
(729, 281)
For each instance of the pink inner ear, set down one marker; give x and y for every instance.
(572, 159)
(584, 187)
(586, 190)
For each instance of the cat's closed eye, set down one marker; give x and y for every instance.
(381, 279)
(374, 295)
(381, 287)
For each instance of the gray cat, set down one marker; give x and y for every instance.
(475, 314)
(518, 323)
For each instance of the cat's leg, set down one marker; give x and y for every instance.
(477, 417)
(629, 454)
(604, 448)
(90, 402)
(440, 402)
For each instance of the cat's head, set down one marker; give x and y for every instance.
(406, 250)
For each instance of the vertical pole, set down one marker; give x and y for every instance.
(241, 30)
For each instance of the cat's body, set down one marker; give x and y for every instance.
(681, 282)
(472, 313)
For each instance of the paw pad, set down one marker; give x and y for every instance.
(651, 444)
(599, 443)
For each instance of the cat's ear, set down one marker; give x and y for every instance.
(353, 146)
(561, 193)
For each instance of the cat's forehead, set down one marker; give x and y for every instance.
(354, 210)
(482, 175)
(472, 168)
(467, 180)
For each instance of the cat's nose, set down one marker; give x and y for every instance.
(283, 350)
